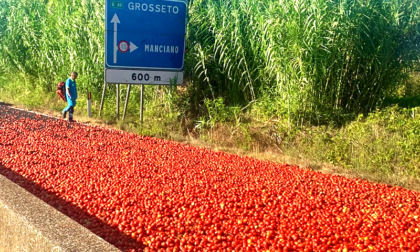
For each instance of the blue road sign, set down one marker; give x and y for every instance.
(145, 34)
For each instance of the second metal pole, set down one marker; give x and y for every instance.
(102, 99)
(118, 101)
(126, 100)
(141, 104)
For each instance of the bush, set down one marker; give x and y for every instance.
(385, 142)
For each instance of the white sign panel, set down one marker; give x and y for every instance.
(125, 76)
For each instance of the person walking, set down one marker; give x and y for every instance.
(71, 95)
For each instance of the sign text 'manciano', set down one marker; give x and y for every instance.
(161, 49)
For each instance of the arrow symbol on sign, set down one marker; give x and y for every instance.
(133, 47)
(116, 21)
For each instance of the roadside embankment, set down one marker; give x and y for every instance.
(29, 224)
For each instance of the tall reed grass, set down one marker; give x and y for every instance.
(304, 59)
(46, 40)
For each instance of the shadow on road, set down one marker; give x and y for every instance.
(95, 225)
(5, 104)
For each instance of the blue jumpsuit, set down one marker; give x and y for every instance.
(71, 102)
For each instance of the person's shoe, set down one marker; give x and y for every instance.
(64, 114)
(71, 120)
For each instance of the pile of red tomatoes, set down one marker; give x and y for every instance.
(143, 193)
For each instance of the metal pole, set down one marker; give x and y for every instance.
(118, 101)
(141, 104)
(102, 100)
(126, 100)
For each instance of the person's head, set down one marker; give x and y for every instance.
(74, 75)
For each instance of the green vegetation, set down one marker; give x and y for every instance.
(327, 81)
(385, 143)
(312, 61)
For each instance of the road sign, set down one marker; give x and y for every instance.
(127, 76)
(145, 34)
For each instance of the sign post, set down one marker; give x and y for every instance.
(102, 99)
(118, 101)
(141, 104)
(144, 42)
(126, 100)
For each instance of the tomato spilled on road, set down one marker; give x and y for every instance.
(142, 193)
